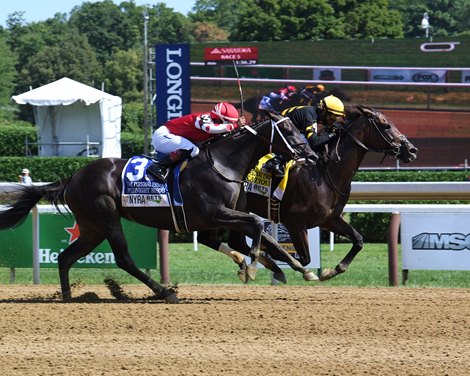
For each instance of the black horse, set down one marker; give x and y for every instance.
(210, 186)
(316, 195)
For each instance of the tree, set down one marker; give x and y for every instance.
(288, 20)
(167, 26)
(445, 17)
(204, 32)
(225, 14)
(124, 76)
(73, 58)
(373, 18)
(106, 26)
(7, 76)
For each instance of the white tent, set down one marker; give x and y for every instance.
(75, 119)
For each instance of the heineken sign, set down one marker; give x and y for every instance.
(57, 232)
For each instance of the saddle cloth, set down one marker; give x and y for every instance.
(142, 190)
(261, 183)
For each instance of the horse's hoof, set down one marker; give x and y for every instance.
(243, 276)
(242, 273)
(280, 276)
(327, 274)
(172, 299)
(66, 296)
(310, 276)
(251, 271)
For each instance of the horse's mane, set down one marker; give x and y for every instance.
(354, 112)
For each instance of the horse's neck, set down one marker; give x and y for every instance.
(238, 154)
(350, 158)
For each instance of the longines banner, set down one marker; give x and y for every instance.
(172, 81)
(404, 75)
(439, 241)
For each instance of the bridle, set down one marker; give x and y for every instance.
(394, 144)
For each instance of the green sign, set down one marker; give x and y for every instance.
(57, 232)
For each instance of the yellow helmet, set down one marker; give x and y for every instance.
(333, 105)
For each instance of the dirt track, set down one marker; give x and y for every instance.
(236, 330)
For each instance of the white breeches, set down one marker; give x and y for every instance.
(165, 142)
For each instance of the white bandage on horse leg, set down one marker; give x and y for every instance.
(234, 255)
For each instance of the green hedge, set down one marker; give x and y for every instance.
(13, 137)
(416, 175)
(131, 144)
(45, 169)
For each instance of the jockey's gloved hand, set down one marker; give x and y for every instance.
(337, 127)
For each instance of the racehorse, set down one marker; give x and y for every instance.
(316, 195)
(210, 186)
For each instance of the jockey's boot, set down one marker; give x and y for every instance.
(275, 166)
(159, 169)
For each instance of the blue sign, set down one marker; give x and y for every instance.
(172, 81)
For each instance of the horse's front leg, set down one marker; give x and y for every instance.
(209, 239)
(340, 227)
(277, 252)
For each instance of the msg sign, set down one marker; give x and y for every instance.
(226, 55)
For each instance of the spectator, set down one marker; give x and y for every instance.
(24, 178)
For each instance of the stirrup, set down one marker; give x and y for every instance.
(274, 168)
(157, 172)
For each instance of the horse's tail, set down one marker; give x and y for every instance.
(26, 196)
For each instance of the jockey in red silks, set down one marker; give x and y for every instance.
(176, 140)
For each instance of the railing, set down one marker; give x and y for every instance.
(286, 69)
(90, 150)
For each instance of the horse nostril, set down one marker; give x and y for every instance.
(414, 150)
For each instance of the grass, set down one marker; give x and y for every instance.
(205, 266)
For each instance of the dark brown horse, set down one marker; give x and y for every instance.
(210, 186)
(316, 195)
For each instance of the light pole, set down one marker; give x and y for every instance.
(146, 19)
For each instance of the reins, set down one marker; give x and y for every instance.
(274, 129)
(374, 125)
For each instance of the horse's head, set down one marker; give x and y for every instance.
(379, 134)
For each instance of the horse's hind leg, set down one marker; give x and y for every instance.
(340, 227)
(118, 243)
(87, 241)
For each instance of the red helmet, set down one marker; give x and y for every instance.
(291, 88)
(226, 112)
